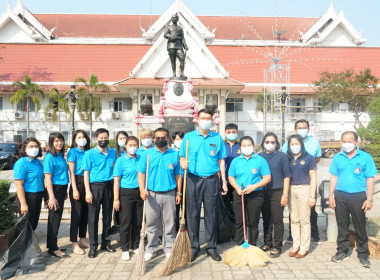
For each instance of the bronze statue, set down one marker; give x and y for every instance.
(177, 46)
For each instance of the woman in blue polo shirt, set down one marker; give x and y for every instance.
(121, 139)
(248, 174)
(29, 180)
(56, 180)
(79, 210)
(127, 198)
(303, 185)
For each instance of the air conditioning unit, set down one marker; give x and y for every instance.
(115, 115)
(49, 116)
(293, 117)
(19, 115)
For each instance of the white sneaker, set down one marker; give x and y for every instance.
(125, 256)
(167, 255)
(136, 252)
(149, 256)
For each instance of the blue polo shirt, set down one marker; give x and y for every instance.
(300, 168)
(162, 169)
(352, 173)
(99, 165)
(57, 166)
(312, 146)
(249, 171)
(126, 169)
(141, 150)
(279, 168)
(233, 151)
(75, 155)
(204, 152)
(31, 172)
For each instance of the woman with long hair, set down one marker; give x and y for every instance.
(80, 143)
(56, 181)
(303, 185)
(121, 139)
(127, 200)
(275, 194)
(29, 180)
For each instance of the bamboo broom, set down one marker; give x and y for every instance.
(180, 254)
(245, 254)
(140, 266)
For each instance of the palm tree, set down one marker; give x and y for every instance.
(87, 101)
(28, 91)
(57, 103)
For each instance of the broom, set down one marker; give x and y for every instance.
(140, 266)
(180, 254)
(245, 254)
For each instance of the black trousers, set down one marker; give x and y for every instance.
(102, 195)
(34, 201)
(79, 211)
(54, 217)
(131, 210)
(253, 203)
(198, 191)
(273, 218)
(346, 204)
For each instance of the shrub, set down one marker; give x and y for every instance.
(7, 214)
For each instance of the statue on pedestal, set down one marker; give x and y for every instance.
(177, 46)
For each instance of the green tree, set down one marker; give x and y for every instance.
(57, 104)
(372, 133)
(27, 92)
(87, 101)
(356, 89)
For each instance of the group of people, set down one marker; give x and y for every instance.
(121, 179)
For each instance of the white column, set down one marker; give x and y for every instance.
(222, 111)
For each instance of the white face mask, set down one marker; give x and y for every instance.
(121, 143)
(205, 124)
(247, 151)
(178, 143)
(81, 142)
(303, 132)
(32, 152)
(295, 149)
(270, 147)
(147, 142)
(231, 137)
(131, 150)
(348, 147)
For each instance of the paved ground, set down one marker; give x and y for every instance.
(316, 265)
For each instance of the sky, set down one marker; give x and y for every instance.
(363, 14)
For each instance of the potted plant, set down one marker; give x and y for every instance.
(7, 214)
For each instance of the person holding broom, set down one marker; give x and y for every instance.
(248, 174)
(205, 160)
(163, 192)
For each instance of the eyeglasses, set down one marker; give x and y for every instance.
(160, 138)
(270, 142)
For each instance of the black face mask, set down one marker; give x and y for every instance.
(103, 143)
(161, 143)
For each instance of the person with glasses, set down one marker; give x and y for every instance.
(163, 193)
(80, 143)
(275, 194)
(56, 180)
(233, 150)
(29, 180)
(205, 162)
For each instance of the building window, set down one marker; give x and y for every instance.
(234, 105)
(121, 105)
(21, 135)
(21, 106)
(297, 105)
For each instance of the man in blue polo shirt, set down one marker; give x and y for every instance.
(98, 166)
(313, 147)
(205, 160)
(164, 192)
(352, 174)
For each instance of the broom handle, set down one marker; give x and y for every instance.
(184, 184)
(146, 187)
(242, 206)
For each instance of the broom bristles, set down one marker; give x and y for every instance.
(140, 266)
(239, 256)
(180, 254)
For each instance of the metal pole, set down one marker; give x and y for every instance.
(72, 117)
(283, 102)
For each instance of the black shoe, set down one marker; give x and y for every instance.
(194, 255)
(214, 255)
(339, 257)
(107, 248)
(92, 253)
(364, 262)
(275, 253)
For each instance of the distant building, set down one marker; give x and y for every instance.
(227, 58)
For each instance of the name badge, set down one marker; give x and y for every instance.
(212, 145)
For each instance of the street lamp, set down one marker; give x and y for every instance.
(73, 98)
(283, 98)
